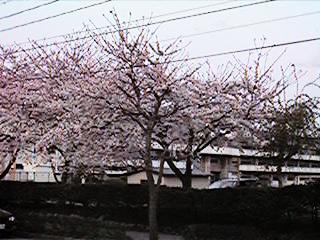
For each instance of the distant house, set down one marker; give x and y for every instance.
(200, 180)
(28, 173)
(30, 167)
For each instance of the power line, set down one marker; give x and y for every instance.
(136, 20)
(151, 23)
(243, 25)
(53, 16)
(191, 9)
(231, 27)
(28, 9)
(207, 56)
(5, 2)
(250, 49)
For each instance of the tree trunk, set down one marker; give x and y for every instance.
(11, 162)
(52, 149)
(279, 175)
(187, 180)
(66, 176)
(153, 190)
(6, 170)
(153, 207)
(54, 173)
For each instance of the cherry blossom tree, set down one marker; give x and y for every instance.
(76, 95)
(219, 110)
(146, 90)
(14, 125)
(50, 98)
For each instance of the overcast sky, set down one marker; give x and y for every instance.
(306, 56)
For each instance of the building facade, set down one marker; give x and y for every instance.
(226, 162)
(215, 164)
(200, 180)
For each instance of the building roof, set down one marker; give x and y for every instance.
(230, 151)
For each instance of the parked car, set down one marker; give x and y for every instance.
(249, 182)
(235, 182)
(7, 221)
(224, 183)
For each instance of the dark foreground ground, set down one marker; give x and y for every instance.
(118, 211)
(44, 224)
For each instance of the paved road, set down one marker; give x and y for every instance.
(145, 236)
(41, 237)
(33, 236)
(131, 234)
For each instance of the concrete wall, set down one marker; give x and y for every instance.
(23, 176)
(197, 182)
(201, 182)
(140, 176)
(170, 181)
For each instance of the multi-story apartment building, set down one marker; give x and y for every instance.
(227, 162)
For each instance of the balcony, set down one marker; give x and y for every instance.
(257, 168)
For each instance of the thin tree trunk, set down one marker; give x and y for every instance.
(52, 149)
(54, 173)
(176, 170)
(187, 183)
(10, 164)
(279, 175)
(6, 170)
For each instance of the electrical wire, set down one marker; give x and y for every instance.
(149, 24)
(136, 20)
(190, 9)
(243, 25)
(207, 56)
(250, 49)
(5, 2)
(28, 9)
(53, 16)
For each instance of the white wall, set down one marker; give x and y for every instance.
(25, 176)
(197, 182)
(137, 177)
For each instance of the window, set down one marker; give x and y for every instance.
(304, 164)
(292, 163)
(143, 182)
(215, 160)
(291, 178)
(263, 162)
(315, 164)
(19, 166)
(215, 177)
(155, 155)
(247, 161)
(234, 161)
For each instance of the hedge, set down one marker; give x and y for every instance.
(129, 202)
